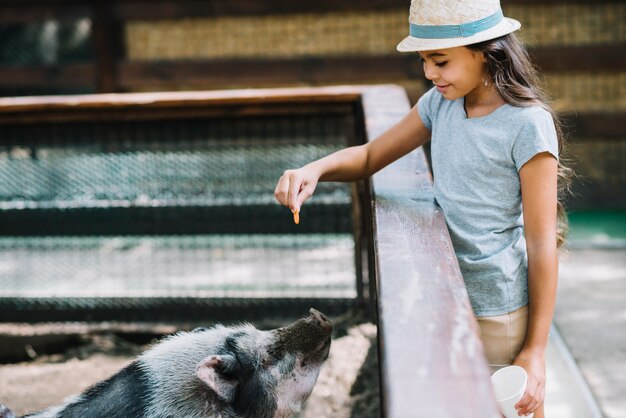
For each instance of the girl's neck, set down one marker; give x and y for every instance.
(482, 100)
(483, 96)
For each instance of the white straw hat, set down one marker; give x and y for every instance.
(440, 24)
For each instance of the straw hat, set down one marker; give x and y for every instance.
(440, 24)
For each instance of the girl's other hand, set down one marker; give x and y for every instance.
(534, 364)
(295, 187)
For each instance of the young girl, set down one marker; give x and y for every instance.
(495, 144)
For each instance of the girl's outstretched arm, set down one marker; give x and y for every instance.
(353, 163)
(539, 201)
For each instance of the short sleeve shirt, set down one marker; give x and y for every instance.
(476, 163)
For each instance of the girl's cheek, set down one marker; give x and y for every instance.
(446, 76)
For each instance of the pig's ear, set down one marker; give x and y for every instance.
(218, 373)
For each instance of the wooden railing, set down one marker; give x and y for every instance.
(431, 358)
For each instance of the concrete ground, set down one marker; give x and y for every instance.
(587, 351)
(591, 319)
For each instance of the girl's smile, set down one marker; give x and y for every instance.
(442, 88)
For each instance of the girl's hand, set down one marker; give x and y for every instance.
(295, 186)
(535, 365)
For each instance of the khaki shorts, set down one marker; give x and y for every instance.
(503, 336)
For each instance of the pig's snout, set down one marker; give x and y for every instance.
(309, 335)
(321, 320)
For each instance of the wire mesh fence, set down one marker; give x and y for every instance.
(233, 266)
(160, 163)
(170, 209)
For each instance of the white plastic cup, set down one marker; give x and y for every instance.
(509, 385)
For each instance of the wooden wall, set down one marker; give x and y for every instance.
(141, 45)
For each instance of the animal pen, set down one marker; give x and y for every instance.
(160, 206)
(120, 208)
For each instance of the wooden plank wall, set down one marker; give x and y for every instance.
(142, 45)
(112, 70)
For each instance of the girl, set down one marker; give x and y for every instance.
(495, 146)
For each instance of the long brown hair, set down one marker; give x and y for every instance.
(517, 81)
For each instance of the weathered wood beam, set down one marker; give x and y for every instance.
(115, 75)
(36, 109)
(578, 58)
(596, 124)
(19, 12)
(238, 72)
(52, 76)
(106, 39)
(28, 10)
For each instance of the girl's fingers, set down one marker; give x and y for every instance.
(532, 407)
(524, 402)
(294, 189)
(305, 193)
(281, 193)
(535, 404)
(284, 191)
(525, 410)
(529, 403)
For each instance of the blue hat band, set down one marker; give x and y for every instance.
(455, 31)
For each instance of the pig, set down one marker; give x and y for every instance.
(6, 412)
(220, 372)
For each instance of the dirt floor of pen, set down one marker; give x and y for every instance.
(348, 385)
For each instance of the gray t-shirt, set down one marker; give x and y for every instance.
(476, 163)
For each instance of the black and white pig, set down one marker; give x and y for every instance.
(225, 372)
